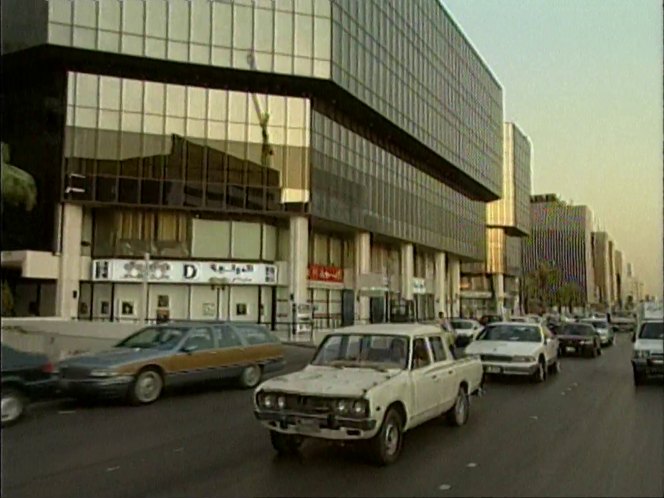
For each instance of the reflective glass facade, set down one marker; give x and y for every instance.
(156, 144)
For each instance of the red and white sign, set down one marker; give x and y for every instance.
(321, 273)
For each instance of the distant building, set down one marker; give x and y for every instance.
(619, 272)
(492, 285)
(561, 234)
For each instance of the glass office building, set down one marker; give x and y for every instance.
(313, 137)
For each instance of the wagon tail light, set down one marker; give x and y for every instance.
(49, 368)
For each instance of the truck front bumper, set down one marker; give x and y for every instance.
(648, 366)
(318, 426)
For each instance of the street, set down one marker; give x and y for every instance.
(585, 432)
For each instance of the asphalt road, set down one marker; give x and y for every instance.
(586, 432)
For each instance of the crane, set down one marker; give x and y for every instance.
(263, 117)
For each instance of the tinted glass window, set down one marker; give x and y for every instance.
(255, 334)
(154, 337)
(363, 350)
(200, 338)
(437, 348)
(577, 329)
(227, 337)
(654, 330)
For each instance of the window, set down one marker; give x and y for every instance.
(420, 354)
(227, 337)
(200, 339)
(241, 309)
(163, 301)
(127, 308)
(254, 334)
(437, 349)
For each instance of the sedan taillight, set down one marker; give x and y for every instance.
(48, 368)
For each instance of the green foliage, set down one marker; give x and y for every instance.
(7, 299)
(18, 186)
(570, 294)
(540, 287)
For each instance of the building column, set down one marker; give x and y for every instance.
(440, 283)
(407, 271)
(298, 259)
(498, 292)
(455, 286)
(68, 284)
(362, 267)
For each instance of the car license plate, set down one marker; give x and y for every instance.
(306, 425)
(492, 370)
(570, 349)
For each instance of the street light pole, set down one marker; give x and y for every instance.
(146, 277)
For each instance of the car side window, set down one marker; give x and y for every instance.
(420, 354)
(200, 338)
(437, 348)
(227, 337)
(254, 334)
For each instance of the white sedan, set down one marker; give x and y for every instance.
(511, 348)
(466, 327)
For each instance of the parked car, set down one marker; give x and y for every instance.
(606, 335)
(647, 353)
(487, 319)
(26, 377)
(174, 353)
(623, 321)
(466, 330)
(369, 384)
(579, 338)
(512, 348)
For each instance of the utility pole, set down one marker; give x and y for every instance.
(146, 279)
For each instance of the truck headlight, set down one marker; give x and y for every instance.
(523, 359)
(342, 406)
(101, 372)
(281, 402)
(267, 401)
(360, 408)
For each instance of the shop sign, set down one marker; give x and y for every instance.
(419, 286)
(184, 272)
(330, 274)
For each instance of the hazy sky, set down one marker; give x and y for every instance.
(583, 78)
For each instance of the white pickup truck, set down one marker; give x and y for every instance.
(369, 384)
(648, 351)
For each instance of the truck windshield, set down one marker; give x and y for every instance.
(363, 350)
(653, 330)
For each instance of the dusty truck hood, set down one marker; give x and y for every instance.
(503, 348)
(113, 357)
(652, 345)
(329, 381)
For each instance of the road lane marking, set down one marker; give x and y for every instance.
(534, 417)
(112, 469)
(563, 393)
(177, 450)
(66, 412)
(444, 487)
(471, 465)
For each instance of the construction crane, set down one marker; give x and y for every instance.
(263, 117)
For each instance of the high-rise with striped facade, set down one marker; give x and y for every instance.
(562, 235)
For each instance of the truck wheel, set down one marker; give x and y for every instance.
(285, 444)
(13, 406)
(460, 412)
(385, 446)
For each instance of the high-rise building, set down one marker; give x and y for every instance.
(270, 158)
(493, 285)
(561, 235)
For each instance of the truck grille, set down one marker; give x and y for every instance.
(74, 373)
(309, 404)
(495, 357)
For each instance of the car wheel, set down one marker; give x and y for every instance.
(385, 446)
(250, 376)
(540, 374)
(146, 388)
(13, 406)
(285, 444)
(460, 412)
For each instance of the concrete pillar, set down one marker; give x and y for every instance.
(455, 286)
(440, 282)
(298, 259)
(68, 285)
(498, 292)
(407, 271)
(362, 267)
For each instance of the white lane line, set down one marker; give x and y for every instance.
(563, 393)
(471, 465)
(534, 417)
(444, 487)
(178, 450)
(112, 469)
(66, 412)
(575, 384)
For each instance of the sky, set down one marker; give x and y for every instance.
(583, 79)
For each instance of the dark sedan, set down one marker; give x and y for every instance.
(580, 338)
(26, 377)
